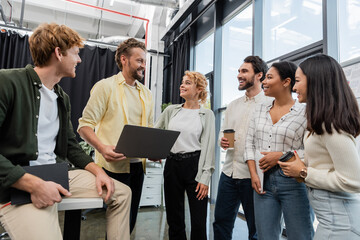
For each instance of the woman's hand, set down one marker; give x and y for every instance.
(256, 184)
(202, 191)
(292, 169)
(269, 160)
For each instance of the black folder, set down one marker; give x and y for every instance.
(57, 172)
(146, 142)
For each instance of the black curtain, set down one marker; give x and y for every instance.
(180, 63)
(97, 63)
(14, 50)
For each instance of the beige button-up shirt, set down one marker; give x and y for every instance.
(107, 111)
(237, 116)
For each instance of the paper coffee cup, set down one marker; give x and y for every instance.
(290, 157)
(229, 134)
(287, 157)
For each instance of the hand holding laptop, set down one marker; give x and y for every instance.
(108, 152)
(47, 193)
(42, 185)
(42, 193)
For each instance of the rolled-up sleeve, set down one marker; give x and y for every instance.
(96, 106)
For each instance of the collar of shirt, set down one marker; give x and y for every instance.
(296, 107)
(37, 82)
(34, 77)
(122, 81)
(179, 107)
(255, 98)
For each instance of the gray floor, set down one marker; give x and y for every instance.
(151, 225)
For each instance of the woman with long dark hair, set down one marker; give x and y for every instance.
(276, 128)
(331, 169)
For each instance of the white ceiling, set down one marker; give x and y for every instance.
(90, 22)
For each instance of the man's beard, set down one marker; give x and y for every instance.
(136, 76)
(248, 84)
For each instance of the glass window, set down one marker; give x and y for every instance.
(349, 29)
(290, 25)
(237, 44)
(204, 55)
(204, 24)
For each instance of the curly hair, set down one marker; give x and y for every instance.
(125, 47)
(200, 82)
(47, 37)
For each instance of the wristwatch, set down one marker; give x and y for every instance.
(303, 173)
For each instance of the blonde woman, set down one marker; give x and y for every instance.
(191, 162)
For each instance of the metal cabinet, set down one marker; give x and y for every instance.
(152, 188)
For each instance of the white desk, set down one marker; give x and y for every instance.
(72, 208)
(80, 203)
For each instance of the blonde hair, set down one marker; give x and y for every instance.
(47, 37)
(200, 82)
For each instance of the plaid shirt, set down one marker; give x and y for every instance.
(285, 135)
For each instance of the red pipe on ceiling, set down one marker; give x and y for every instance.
(116, 12)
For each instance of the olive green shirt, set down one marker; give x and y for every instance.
(19, 115)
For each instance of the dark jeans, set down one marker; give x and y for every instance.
(179, 176)
(134, 180)
(231, 193)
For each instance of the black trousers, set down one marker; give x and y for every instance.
(134, 180)
(179, 176)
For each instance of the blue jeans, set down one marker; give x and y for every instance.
(231, 193)
(338, 214)
(283, 195)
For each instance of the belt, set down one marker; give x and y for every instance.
(184, 155)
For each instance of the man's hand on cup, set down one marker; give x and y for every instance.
(224, 143)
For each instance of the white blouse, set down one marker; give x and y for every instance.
(188, 122)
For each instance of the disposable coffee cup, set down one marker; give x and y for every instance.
(229, 134)
(287, 157)
(290, 157)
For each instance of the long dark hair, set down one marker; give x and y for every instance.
(286, 70)
(330, 102)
